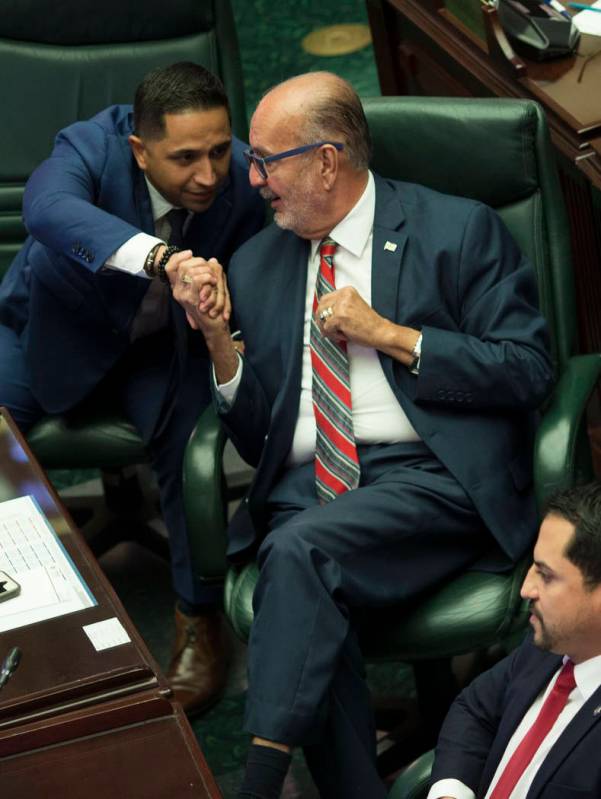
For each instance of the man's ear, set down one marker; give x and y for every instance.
(139, 151)
(328, 165)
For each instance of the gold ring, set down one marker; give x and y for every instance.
(187, 279)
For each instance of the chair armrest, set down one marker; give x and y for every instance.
(413, 781)
(204, 497)
(561, 450)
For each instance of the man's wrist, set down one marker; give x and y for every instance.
(223, 354)
(162, 259)
(152, 259)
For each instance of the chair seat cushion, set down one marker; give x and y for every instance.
(471, 612)
(98, 439)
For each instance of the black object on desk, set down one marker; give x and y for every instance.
(537, 29)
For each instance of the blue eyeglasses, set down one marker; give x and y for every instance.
(261, 163)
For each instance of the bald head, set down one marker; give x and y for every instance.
(320, 106)
(310, 190)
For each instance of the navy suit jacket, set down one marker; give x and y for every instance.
(86, 200)
(483, 718)
(457, 275)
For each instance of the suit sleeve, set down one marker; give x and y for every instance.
(471, 725)
(60, 204)
(499, 355)
(246, 420)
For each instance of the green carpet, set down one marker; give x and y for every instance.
(270, 42)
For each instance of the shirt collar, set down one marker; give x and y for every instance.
(588, 676)
(160, 206)
(352, 232)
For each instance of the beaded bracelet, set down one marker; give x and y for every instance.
(169, 251)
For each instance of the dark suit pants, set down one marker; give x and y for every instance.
(407, 527)
(150, 368)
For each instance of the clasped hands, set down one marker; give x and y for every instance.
(200, 288)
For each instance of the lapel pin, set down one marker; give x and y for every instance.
(597, 711)
(390, 246)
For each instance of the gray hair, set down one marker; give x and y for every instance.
(336, 114)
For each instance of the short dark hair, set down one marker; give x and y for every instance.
(180, 87)
(337, 114)
(581, 505)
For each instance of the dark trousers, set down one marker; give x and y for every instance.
(408, 526)
(149, 367)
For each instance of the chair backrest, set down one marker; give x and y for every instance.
(62, 62)
(498, 152)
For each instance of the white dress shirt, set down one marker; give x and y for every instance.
(377, 416)
(588, 678)
(153, 313)
(130, 256)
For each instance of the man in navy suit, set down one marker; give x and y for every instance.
(86, 305)
(478, 753)
(434, 313)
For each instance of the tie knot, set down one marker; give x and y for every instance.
(566, 682)
(327, 247)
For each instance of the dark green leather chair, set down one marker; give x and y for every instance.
(497, 151)
(414, 780)
(64, 62)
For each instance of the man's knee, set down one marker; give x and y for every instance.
(286, 543)
(291, 556)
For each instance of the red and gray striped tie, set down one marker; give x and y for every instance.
(336, 462)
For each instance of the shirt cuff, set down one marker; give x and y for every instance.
(450, 787)
(229, 390)
(130, 256)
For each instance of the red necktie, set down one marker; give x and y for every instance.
(545, 720)
(336, 460)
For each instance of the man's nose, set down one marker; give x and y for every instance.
(255, 177)
(204, 174)
(528, 589)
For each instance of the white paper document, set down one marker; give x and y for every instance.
(589, 21)
(106, 634)
(33, 555)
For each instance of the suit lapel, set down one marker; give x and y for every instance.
(523, 693)
(142, 202)
(581, 725)
(388, 249)
(291, 327)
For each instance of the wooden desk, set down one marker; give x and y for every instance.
(75, 721)
(423, 48)
(141, 747)
(60, 669)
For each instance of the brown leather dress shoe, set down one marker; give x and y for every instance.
(198, 669)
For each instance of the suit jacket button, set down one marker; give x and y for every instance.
(440, 394)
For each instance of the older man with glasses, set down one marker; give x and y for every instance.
(394, 354)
